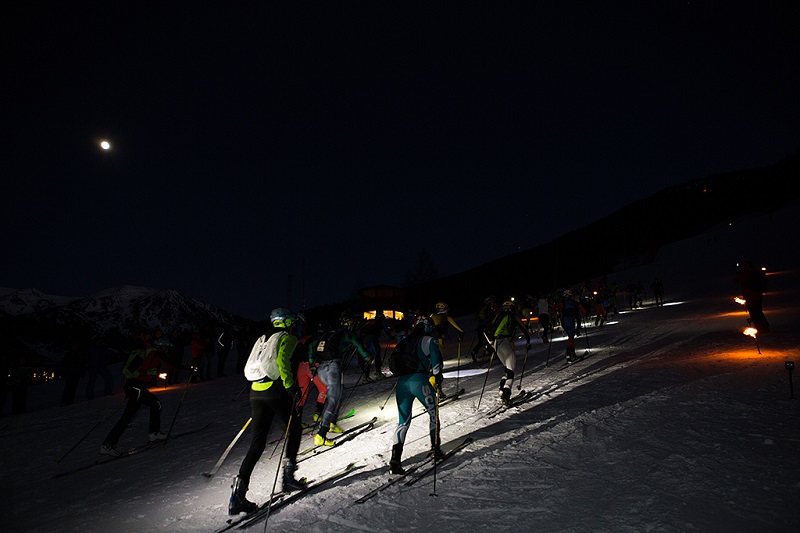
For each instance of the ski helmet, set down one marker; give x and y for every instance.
(347, 320)
(441, 308)
(282, 317)
(508, 305)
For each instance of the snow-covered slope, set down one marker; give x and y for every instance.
(674, 422)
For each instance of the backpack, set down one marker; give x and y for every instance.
(263, 360)
(404, 358)
(327, 347)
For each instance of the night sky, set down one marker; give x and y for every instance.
(264, 157)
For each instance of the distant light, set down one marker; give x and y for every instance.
(105, 145)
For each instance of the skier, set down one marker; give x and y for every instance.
(270, 398)
(325, 355)
(754, 285)
(503, 330)
(484, 317)
(442, 321)
(599, 307)
(141, 373)
(543, 310)
(570, 317)
(422, 386)
(658, 292)
(305, 377)
(369, 337)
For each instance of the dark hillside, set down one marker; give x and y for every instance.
(632, 235)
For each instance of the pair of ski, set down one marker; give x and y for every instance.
(350, 414)
(451, 398)
(516, 400)
(281, 499)
(341, 438)
(133, 451)
(425, 467)
(575, 360)
(314, 426)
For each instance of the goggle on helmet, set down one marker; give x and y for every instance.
(282, 317)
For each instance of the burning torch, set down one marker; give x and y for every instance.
(753, 332)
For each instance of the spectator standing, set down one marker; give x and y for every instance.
(754, 285)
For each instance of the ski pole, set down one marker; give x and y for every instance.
(294, 407)
(227, 450)
(240, 392)
(549, 345)
(436, 442)
(185, 390)
(458, 366)
(524, 362)
(110, 412)
(278, 470)
(586, 334)
(487, 371)
(390, 395)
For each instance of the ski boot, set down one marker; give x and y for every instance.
(367, 379)
(156, 436)
(335, 429)
(318, 411)
(289, 482)
(394, 462)
(238, 503)
(321, 439)
(436, 450)
(505, 396)
(108, 449)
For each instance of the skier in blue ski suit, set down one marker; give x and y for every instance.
(421, 385)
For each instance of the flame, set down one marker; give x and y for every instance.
(750, 331)
(163, 375)
(740, 300)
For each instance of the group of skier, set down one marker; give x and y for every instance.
(295, 358)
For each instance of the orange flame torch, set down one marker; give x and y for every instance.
(753, 332)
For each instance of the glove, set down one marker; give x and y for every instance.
(313, 369)
(436, 380)
(528, 345)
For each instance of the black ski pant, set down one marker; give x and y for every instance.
(137, 395)
(264, 407)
